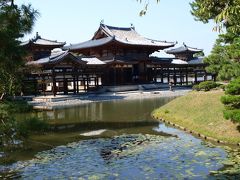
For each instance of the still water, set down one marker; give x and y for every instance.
(115, 140)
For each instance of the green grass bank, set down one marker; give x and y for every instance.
(201, 112)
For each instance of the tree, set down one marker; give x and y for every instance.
(15, 22)
(225, 13)
(224, 59)
(232, 101)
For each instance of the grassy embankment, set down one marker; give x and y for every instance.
(201, 112)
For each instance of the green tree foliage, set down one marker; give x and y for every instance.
(225, 13)
(224, 59)
(15, 22)
(232, 100)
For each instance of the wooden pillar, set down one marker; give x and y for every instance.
(43, 85)
(97, 81)
(162, 75)
(181, 77)
(168, 78)
(122, 75)
(195, 73)
(77, 83)
(65, 86)
(74, 85)
(205, 76)
(84, 84)
(174, 76)
(87, 83)
(114, 76)
(65, 83)
(54, 82)
(186, 76)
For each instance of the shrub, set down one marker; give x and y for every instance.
(207, 85)
(196, 87)
(232, 115)
(232, 101)
(233, 87)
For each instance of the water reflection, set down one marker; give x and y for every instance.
(114, 111)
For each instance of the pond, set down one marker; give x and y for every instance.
(114, 140)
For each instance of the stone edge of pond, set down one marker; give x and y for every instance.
(202, 136)
(48, 106)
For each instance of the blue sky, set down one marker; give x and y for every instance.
(76, 21)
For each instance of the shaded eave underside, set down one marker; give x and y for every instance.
(111, 41)
(55, 59)
(183, 49)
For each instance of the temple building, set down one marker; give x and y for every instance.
(125, 52)
(187, 66)
(39, 47)
(50, 70)
(114, 56)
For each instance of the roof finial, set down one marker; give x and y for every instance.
(37, 36)
(132, 26)
(102, 21)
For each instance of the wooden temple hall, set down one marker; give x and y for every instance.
(115, 56)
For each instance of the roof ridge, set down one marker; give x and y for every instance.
(194, 48)
(184, 45)
(116, 27)
(160, 40)
(52, 40)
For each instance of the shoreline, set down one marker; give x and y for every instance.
(194, 133)
(197, 119)
(63, 101)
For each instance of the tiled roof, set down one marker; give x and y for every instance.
(88, 44)
(126, 36)
(41, 41)
(56, 57)
(183, 49)
(130, 36)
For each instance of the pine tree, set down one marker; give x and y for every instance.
(16, 21)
